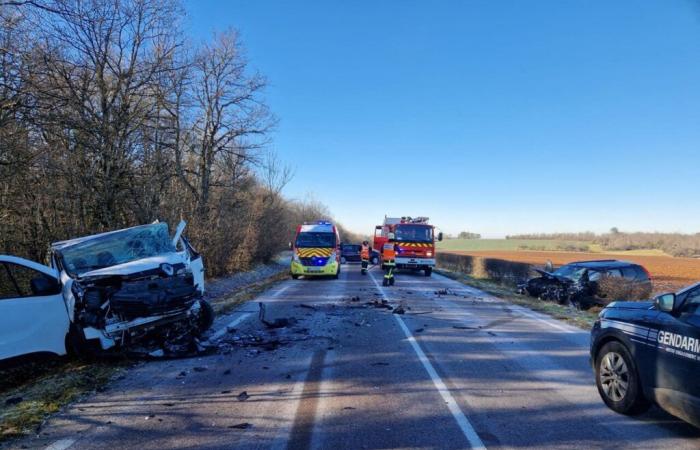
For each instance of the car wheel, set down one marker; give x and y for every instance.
(618, 381)
(375, 261)
(343, 260)
(428, 271)
(76, 344)
(206, 316)
(295, 277)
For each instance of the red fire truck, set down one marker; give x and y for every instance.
(415, 238)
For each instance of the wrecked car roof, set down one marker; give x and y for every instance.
(70, 242)
(602, 264)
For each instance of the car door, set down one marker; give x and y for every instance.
(678, 351)
(33, 315)
(196, 263)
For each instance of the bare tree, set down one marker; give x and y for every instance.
(93, 75)
(231, 119)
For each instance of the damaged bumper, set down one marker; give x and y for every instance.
(117, 333)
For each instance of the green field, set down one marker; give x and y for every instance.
(473, 245)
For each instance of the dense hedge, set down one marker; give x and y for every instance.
(503, 271)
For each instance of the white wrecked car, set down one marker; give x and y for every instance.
(127, 287)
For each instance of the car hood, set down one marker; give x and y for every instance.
(552, 276)
(630, 305)
(137, 266)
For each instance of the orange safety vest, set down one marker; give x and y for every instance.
(364, 254)
(388, 252)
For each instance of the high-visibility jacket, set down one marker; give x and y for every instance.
(364, 253)
(389, 252)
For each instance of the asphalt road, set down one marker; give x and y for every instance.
(455, 371)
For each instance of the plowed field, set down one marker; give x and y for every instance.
(668, 273)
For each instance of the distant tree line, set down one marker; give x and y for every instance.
(586, 236)
(109, 118)
(468, 235)
(676, 244)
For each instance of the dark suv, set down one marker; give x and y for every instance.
(586, 283)
(645, 352)
(351, 253)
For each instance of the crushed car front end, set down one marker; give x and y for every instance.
(132, 288)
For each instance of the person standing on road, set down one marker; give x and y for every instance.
(364, 255)
(389, 260)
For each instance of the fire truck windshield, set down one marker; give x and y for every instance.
(315, 240)
(414, 233)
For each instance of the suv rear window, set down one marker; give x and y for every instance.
(629, 273)
(641, 273)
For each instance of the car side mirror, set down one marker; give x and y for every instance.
(440, 236)
(42, 286)
(666, 302)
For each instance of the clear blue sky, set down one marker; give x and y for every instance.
(490, 116)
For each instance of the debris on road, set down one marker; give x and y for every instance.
(304, 305)
(380, 304)
(277, 323)
(243, 396)
(242, 426)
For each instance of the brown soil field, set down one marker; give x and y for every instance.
(668, 273)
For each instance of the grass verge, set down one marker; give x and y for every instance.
(569, 314)
(31, 392)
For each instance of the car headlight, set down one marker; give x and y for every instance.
(333, 257)
(295, 257)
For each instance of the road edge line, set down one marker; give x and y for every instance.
(459, 416)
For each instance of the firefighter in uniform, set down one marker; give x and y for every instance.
(389, 260)
(364, 255)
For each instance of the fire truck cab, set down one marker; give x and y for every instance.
(416, 242)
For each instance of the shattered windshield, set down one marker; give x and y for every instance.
(117, 248)
(414, 233)
(571, 272)
(315, 240)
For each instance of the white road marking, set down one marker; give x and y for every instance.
(462, 421)
(61, 444)
(546, 322)
(216, 336)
